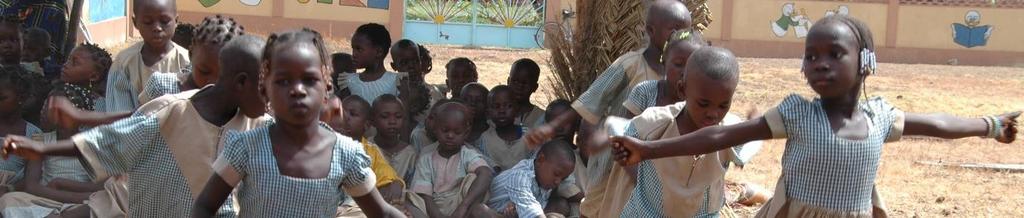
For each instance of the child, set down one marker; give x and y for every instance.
(304, 165)
(415, 93)
(525, 188)
(451, 178)
(388, 117)
(351, 121)
(570, 191)
(211, 35)
(370, 44)
(156, 21)
(13, 91)
(821, 174)
(501, 141)
(341, 63)
(183, 35)
(663, 92)
(36, 53)
(10, 56)
(422, 136)
(556, 108)
(605, 96)
(522, 78)
(459, 72)
(88, 65)
(11, 43)
(474, 95)
(168, 146)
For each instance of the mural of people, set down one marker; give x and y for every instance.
(791, 18)
(971, 33)
(842, 10)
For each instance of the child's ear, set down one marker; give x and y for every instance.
(681, 89)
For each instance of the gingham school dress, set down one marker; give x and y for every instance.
(824, 175)
(643, 96)
(161, 84)
(369, 91)
(12, 169)
(248, 163)
(128, 75)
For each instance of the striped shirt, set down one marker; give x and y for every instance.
(822, 169)
(518, 186)
(643, 96)
(248, 163)
(369, 91)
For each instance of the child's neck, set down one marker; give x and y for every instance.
(844, 106)
(389, 142)
(684, 123)
(524, 108)
(151, 55)
(508, 132)
(215, 105)
(373, 72)
(653, 57)
(666, 96)
(298, 134)
(445, 153)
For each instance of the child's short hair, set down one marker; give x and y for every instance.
(12, 77)
(453, 107)
(361, 104)
(304, 34)
(716, 63)
(38, 36)
(558, 150)
(497, 90)
(474, 86)
(377, 34)
(101, 57)
(528, 66)
(183, 35)
(341, 62)
(387, 99)
(556, 104)
(685, 36)
(217, 30)
(461, 60)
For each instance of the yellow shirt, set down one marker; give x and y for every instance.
(385, 174)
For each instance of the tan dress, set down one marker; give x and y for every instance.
(501, 153)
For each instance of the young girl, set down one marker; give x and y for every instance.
(13, 91)
(370, 44)
(663, 92)
(295, 166)
(210, 37)
(459, 72)
(834, 142)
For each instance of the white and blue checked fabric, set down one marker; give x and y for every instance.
(519, 186)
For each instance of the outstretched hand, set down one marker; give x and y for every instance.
(61, 112)
(629, 151)
(539, 135)
(22, 146)
(1009, 131)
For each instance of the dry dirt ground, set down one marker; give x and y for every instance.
(909, 189)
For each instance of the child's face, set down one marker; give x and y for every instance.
(405, 60)
(663, 28)
(205, 63)
(80, 68)
(9, 102)
(707, 100)
(354, 119)
(675, 62)
(550, 172)
(476, 100)
(156, 22)
(10, 44)
(295, 85)
(451, 130)
(522, 86)
(35, 52)
(501, 109)
(565, 132)
(389, 119)
(458, 76)
(342, 65)
(831, 60)
(364, 53)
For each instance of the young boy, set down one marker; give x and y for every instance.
(524, 189)
(168, 146)
(501, 142)
(156, 21)
(36, 53)
(451, 178)
(388, 117)
(570, 190)
(605, 96)
(522, 78)
(459, 72)
(696, 182)
(474, 95)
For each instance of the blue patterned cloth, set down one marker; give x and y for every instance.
(518, 186)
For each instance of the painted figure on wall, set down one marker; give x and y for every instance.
(842, 10)
(971, 33)
(799, 22)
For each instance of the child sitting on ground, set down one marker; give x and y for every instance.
(210, 37)
(474, 95)
(307, 166)
(522, 78)
(502, 141)
(422, 136)
(523, 190)
(459, 72)
(13, 91)
(370, 45)
(387, 117)
(38, 87)
(451, 178)
(570, 191)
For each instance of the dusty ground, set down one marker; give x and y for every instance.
(909, 189)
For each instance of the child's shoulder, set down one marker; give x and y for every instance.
(133, 50)
(660, 114)
(178, 101)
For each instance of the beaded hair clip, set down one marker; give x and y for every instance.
(676, 35)
(868, 61)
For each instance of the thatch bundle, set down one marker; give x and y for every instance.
(604, 30)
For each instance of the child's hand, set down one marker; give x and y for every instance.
(510, 210)
(62, 112)
(628, 150)
(23, 147)
(539, 135)
(1009, 130)
(460, 212)
(392, 193)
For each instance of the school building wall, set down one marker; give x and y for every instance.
(905, 31)
(332, 18)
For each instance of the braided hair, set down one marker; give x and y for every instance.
(100, 56)
(425, 58)
(12, 77)
(861, 32)
(183, 35)
(217, 30)
(303, 35)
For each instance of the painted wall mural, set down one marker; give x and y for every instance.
(971, 33)
(211, 3)
(378, 4)
(798, 21)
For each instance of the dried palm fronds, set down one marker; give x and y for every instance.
(604, 30)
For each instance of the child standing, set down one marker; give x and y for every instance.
(168, 146)
(370, 45)
(501, 142)
(522, 78)
(10, 57)
(524, 189)
(451, 178)
(13, 91)
(156, 21)
(295, 166)
(821, 172)
(652, 93)
(459, 72)
(211, 35)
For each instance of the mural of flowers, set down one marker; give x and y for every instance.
(512, 13)
(438, 11)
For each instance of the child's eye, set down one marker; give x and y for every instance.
(809, 57)
(281, 82)
(702, 104)
(837, 55)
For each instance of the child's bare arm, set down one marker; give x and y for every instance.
(479, 188)
(212, 197)
(33, 176)
(630, 151)
(63, 113)
(75, 186)
(432, 209)
(950, 127)
(544, 132)
(375, 206)
(33, 150)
